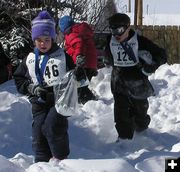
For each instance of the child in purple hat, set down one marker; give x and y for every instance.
(44, 25)
(36, 76)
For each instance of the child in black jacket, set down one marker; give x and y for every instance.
(36, 76)
(133, 58)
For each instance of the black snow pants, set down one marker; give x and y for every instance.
(49, 133)
(130, 115)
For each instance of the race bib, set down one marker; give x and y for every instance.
(120, 56)
(54, 71)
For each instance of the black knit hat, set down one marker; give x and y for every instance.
(118, 19)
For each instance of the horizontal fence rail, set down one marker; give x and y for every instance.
(167, 37)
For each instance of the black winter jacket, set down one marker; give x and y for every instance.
(22, 78)
(130, 80)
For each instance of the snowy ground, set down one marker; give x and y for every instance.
(92, 133)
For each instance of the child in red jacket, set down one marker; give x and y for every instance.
(80, 45)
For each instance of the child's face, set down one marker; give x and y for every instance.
(43, 43)
(123, 36)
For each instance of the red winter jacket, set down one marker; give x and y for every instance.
(80, 41)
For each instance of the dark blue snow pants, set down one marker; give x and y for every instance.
(49, 133)
(130, 115)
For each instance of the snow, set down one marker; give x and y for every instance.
(92, 133)
(91, 130)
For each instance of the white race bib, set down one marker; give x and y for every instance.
(120, 56)
(55, 67)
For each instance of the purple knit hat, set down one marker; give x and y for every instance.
(43, 25)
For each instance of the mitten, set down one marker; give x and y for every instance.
(93, 72)
(90, 72)
(15, 62)
(37, 90)
(148, 69)
(107, 61)
(79, 73)
(80, 60)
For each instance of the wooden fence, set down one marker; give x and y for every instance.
(167, 37)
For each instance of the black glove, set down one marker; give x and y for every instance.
(37, 90)
(107, 62)
(149, 69)
(80, 60)
(79, 73)
(93, 72)
(15, 62)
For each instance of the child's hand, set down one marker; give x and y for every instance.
(80, 60)
(148, 69)
(79, 73)
(37, 90)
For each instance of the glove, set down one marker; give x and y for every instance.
(15, 62)
(93, 72)
(80, 60)
(148, 69)
(37, 90)
(79, 73)
(106, 61)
